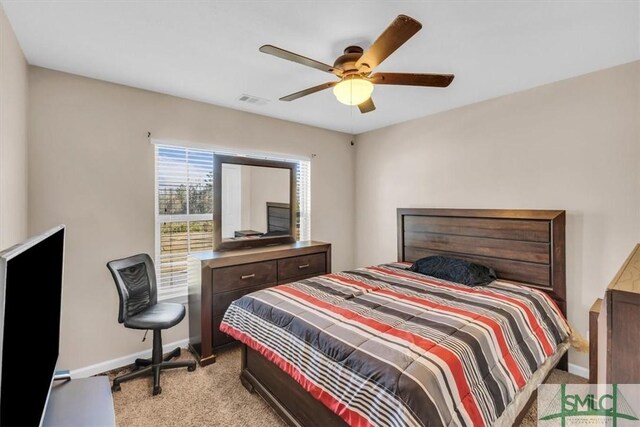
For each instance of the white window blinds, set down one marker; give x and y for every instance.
(304, 200)
(184, 215)
(184, 210)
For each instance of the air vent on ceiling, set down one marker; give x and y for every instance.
(252, 100)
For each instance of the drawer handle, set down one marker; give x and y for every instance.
(303, 266)
(248, 276)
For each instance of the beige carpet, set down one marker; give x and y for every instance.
(213, 396)
(556, 377)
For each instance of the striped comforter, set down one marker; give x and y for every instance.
(389, 347)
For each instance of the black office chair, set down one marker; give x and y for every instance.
(135, 279)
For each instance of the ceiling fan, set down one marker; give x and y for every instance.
(355, 66)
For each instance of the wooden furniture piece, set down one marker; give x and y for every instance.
(80, 402)
(218, 278)
(291, 168)
(527, 247)
(619, 326)
(594, 312)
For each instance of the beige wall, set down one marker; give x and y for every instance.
(13, 137)
(572, 145)
(92, 168)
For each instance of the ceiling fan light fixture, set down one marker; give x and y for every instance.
(353, 90)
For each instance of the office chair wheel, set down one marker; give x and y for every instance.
(116, 387)
(191, 368)
(157, 390)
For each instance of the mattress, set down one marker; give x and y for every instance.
(385, 346)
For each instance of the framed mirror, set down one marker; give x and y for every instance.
(255, 202)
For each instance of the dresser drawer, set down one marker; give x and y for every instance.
(299, 266)
(243, 276)
(222, 301)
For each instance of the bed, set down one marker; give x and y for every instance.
(386, 346)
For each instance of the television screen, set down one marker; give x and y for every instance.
(31, 277)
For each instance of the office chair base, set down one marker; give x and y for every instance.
(141, 363)
(146, 367)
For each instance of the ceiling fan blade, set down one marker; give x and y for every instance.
(308, 91)
(396, 34)
(290, 56)
(408, 79)
(367, 106)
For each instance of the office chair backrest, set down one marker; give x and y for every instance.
(135, 279)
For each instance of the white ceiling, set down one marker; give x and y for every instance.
(208, 50)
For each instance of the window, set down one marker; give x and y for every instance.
(304, 200)
(184, 211)
(184, 217)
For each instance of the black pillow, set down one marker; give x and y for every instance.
(454, 270)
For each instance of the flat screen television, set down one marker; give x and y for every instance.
(31, 275)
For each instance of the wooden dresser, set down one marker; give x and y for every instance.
(618, 326)
(218, 278)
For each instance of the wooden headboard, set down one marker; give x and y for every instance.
(524, 246)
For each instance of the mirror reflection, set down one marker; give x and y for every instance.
(254, 202)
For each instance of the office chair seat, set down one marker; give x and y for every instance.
(162, 315)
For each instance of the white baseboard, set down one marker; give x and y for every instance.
(578, 370)
(108, 365)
